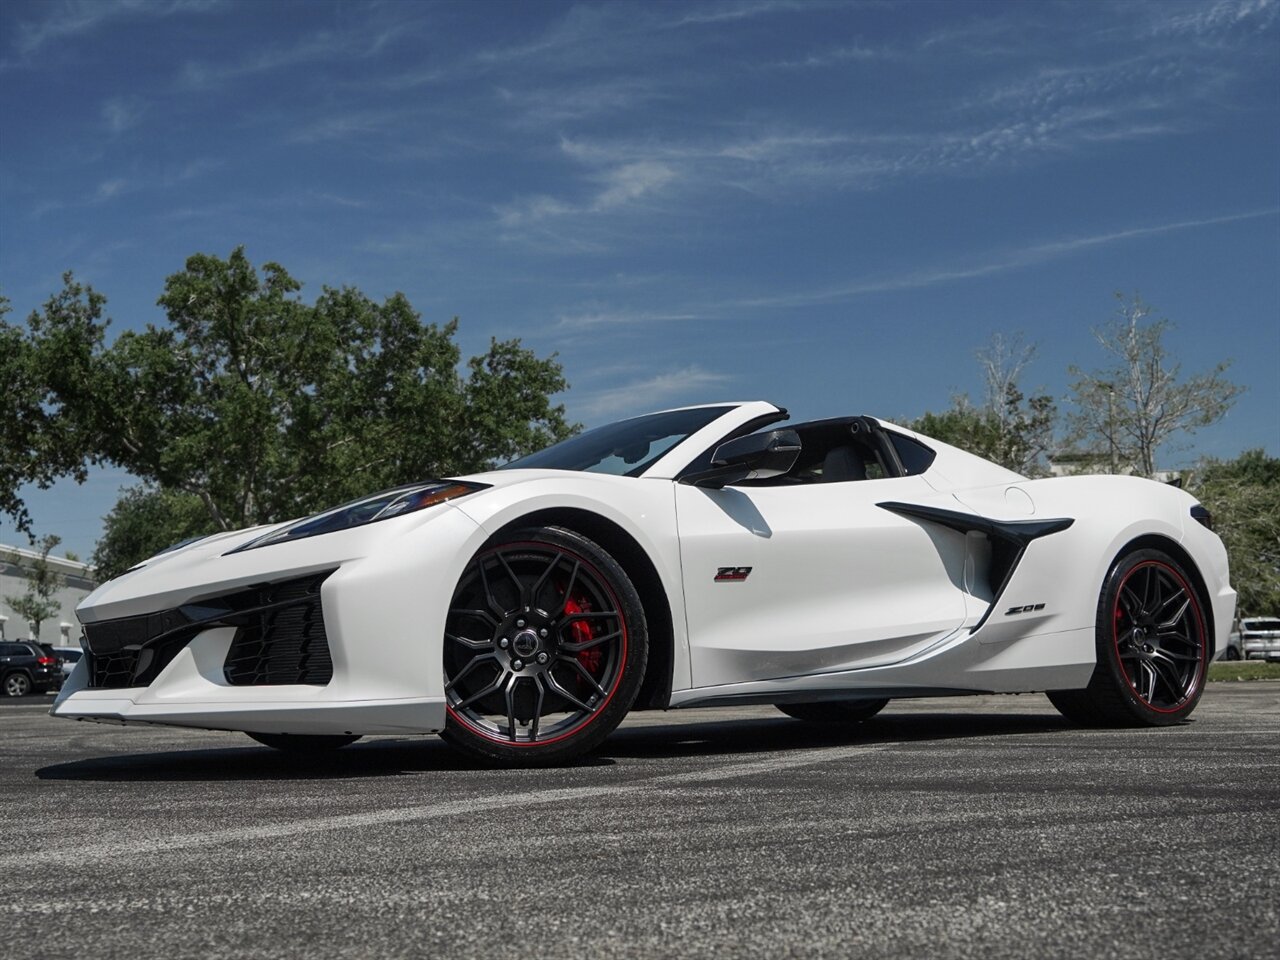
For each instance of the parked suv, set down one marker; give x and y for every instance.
(25, 667)
(1260, 638)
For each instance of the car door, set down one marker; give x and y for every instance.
(793, 580)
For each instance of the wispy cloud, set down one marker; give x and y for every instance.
(603, 33)
(778, 160)
(995, 263)
(587, 319)
(121, 113)
(71, 18)
(617, 187)
(163, 177)
(112, 188)
(835, 56)
(319, 46)
(740, 10)
(540, 105)
(685, 384)
(339, 201)
(346, 124)
(1212, 19)
(191, 170)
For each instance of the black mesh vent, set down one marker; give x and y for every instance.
(113, 669)
(284, 644)
(281, 637)
(131, 651)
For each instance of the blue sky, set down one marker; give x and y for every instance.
(829, 205)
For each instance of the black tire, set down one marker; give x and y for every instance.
(17, 684)
(1232, 653)
(304, 742)
(833, 711)
(1152, 648)
(545, 647)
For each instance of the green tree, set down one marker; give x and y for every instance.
(261, 406)
(1244, 497)
(144, 521)
(33, 447)
(37, 604)
(1126, 413)
(1010, 428)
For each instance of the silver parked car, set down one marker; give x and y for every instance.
(69, 656)
(1260, 638)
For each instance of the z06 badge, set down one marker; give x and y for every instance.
(732, 574)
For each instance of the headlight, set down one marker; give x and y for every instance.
(380, 506)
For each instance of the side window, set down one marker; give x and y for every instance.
(831, 452)
(915, 456)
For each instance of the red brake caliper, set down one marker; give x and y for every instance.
(580, 632)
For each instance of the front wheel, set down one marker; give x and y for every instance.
(304, 742)
(1152, 644)
(544, 649)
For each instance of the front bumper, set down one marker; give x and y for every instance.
(192, 692)
(384, 608)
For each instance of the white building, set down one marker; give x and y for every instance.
(62, 628)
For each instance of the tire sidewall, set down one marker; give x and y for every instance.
(1110, 670)
(590, 736)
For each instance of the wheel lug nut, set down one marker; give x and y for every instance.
(504, 643)
(519, 623)
(517, 665)
(542, 658)
(542, 632)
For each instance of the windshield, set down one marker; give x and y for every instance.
(627, 448)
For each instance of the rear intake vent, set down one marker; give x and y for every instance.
(284, 644)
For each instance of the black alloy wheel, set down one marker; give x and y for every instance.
(304, 742)
(1152, 642)
(833, 711)
(544, 649)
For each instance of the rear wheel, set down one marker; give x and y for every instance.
(833, 711)
(17, 685)
(544, 649)
(304, 742)
(1231, 654)
(1152, 648)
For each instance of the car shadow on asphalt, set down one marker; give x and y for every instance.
(769, 735)
(387, 757)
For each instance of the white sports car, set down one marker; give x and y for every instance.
(692, 557)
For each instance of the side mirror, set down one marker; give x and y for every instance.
(754, 457)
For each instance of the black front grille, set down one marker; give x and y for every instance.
(284, 643)
(280, 639)
(113, 670)
(131, 651)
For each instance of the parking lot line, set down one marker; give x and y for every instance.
(85, 853)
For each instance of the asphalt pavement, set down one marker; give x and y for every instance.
(974, 827)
